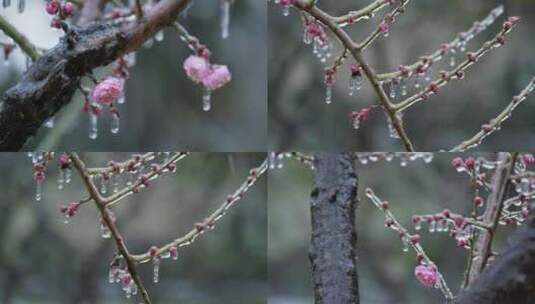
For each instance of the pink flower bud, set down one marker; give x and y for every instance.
(52, 7)
(426, 274)
(108, 90)
(218, 77)
(67, 8)
(196, 68)
(153, 251)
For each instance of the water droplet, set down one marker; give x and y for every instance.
(405, 243)
(417, 81)
(418, 225)
(114, 123)
(61, 179)
(432, 226)
(159, 36)
(206, 100)
(403, 86)
(50, 122)
(225, 18)
(393, 92)
(105, 232)
(452, 60)
(355, 83)
(307, 39)
(356, 123)
(121, 100)
(93, 126)
(329, 94)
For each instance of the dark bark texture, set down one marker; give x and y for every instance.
(334, 237)
(52, 80)
(511, 278)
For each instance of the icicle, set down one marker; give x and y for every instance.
(225, 18)
(149, 43)
(355, 83)
(285, 10)
(432, 226)
(393, 92)
(356, 123)
(280, 157)
(392, 129)
(272, 160)
(50, 122)
(418, 225)
(206, 100)
(104, 185)
(68, 174)
(114, 123)
(329, 94)
(156, 273)
(452, 60)
(6, 3)
(439, 226)
(159, 36)
(174, 253)
(405, 243)
(111, 275)
(307, 39)
(115, 183)
(105, 232)
(21, 6)
(428, 74)
(38, 190)
(417, 81)
(131, 59)
(121, 100)
(403, 85)
(61, 179)
(93, 126)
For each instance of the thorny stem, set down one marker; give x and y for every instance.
(25, 45)
(495, 123)
(355, 50)
(491, 215)
(116, 235)
(210, 221)
(396, 226)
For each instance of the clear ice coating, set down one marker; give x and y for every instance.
(206, 100)
(225, 18)
(114, 123)
(159, 36)
(93, 126)
(329, 94)
(405, 243)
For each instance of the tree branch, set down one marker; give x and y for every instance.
(51, 81)
(25, 45)
(334, 237)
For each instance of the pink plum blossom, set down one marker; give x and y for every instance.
(108, 90)
(196, 68)
(218, 77)
(426, 274)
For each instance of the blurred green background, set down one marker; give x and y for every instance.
(299, 119)
(385, 271)
(42, 260)
(163, 107)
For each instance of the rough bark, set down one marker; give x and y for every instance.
(334, 237)
(51, 81)
(511, 278)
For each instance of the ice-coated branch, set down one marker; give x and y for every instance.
(210, 221)
(459, 42)
(491, 216)
(412, 241)
(51, 81)
(355, 51)
(115, 234)
(364, 13)
(458, 72)
(495, 124)
(25, 45)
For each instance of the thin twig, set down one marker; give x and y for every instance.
(25, 45)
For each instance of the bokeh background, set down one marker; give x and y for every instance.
(163, 107)
(299, 119)
(386, 273)
(42, 260)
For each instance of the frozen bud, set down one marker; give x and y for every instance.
(330, 76)
(500, 40)
(459, 74)
(67, 8)
(153, 251)
(389, 223)
(64, 161)
(71, 209)
(39, 176)
(52, 7)
(472, 57)
(462, 242)
(487, 128)
(415, 239)
(196, 68)
(507, 25)
(446, 213)
(478, 201)
(528, 159)
(416, 219)
(108, 90)
(355, 70)
(384, 27)
(457, 162)
(426, 274)
(469, 162)
(433, 87)
(217, 78)
(55, 23)
(459, 221)
(384, 204)
(173, 252)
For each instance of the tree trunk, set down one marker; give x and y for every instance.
(334, 237)
(511, 278)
